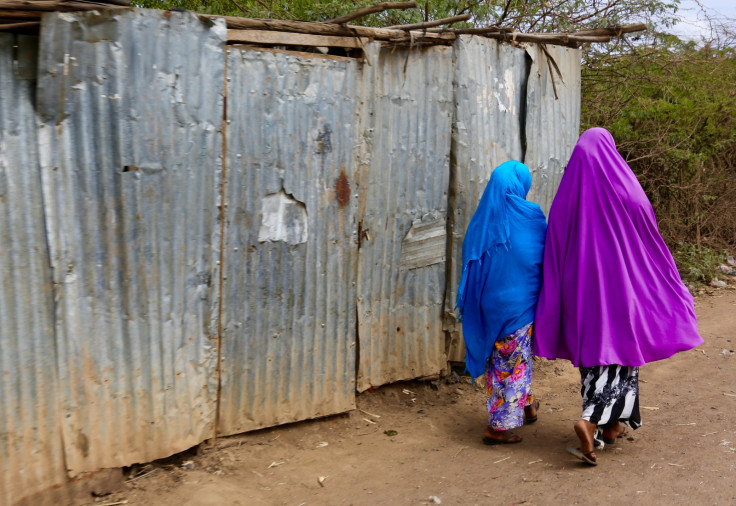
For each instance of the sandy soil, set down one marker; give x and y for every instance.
(420, 443)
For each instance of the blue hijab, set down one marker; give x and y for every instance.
(502, 260)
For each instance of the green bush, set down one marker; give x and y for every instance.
(671, 109)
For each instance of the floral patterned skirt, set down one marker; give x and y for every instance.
(509, 379)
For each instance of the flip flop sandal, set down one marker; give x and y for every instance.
(508, 440)
(587, 457)
(620, 435)
(532, 419)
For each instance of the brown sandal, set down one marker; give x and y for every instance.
(587, 457)
(508, 439)
(532, 419)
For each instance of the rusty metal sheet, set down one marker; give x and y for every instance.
(490, 100)
(131, 106)
(406, 124)
(31, 454)
(288, 350)
(552, 119)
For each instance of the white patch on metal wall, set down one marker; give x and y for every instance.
(505, 94)
(283, 219)
(424, 244)
(510, 87)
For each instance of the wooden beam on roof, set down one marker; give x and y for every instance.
(564, 39)
(614, 31)
(29, 25)
(471, 31)
(59, 5)
(293, 39)
(559, 39)
(19, 14)
(318, 28)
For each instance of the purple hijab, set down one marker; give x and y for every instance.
(611, 293)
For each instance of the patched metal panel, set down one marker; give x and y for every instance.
(31, 455)
(425, 244)
(288, 350)
(490, 96)
(552, 118)
(131, 105)
(405, 160)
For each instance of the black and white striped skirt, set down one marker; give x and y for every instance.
(610, 394)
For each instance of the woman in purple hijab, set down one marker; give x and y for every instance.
(612, 299)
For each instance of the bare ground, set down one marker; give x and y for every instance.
(684, 453)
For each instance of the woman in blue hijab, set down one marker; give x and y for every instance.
(497, 298)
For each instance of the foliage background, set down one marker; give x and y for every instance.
(671, 105)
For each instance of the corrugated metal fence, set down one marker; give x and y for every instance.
(130, 162)
(177, 265)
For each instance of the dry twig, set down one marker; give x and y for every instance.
(365, 11)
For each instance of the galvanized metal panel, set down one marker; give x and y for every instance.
(552, 122)
(490, 97)
(131, 105)
(31, 455)
(288, 350)
(405, 159)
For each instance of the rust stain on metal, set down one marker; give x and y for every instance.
(83, 443)
(342, 188)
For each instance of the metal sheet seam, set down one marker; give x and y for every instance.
(524, 106)
(55, 297)
(223, 219)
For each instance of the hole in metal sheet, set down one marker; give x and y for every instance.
(283, 219)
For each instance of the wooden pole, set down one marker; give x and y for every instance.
(318, 28)
(561, 39)
(615, 30)
(583, 36)
(29, 25)
(19, 14)
(57, 5)
(471, 31)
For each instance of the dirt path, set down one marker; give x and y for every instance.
(684, 453)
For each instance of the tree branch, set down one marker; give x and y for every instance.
(380, 7)
(505, 13)
(428, 24)
(239, 7)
